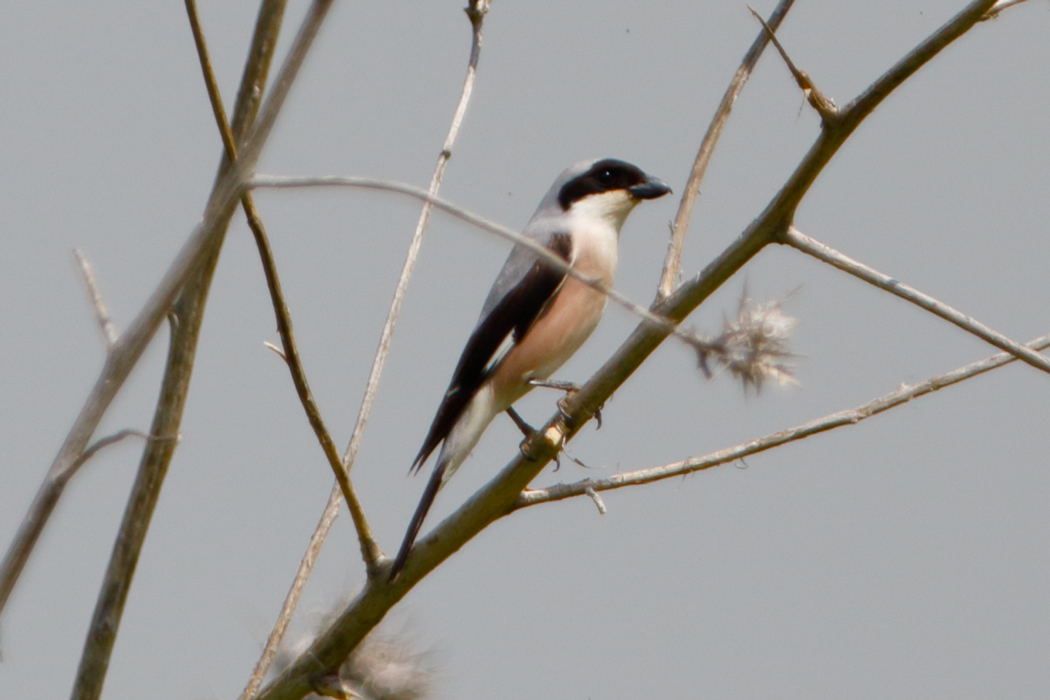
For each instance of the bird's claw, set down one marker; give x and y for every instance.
(570, 389)
(524, 449)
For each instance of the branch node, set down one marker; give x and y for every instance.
(476, 11)
(331, 685)
(824, 106)
(998, 8)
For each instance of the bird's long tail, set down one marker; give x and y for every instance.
(456, 448)
(417, 519)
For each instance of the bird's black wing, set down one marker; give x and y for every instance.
(514, 313)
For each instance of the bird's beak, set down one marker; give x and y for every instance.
(652, 188)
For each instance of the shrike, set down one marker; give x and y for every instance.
(535, 316)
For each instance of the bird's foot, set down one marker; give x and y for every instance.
(570, 388)
(529, 432)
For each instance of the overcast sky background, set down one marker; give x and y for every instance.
(907, 556)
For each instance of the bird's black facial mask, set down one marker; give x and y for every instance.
(608, 175)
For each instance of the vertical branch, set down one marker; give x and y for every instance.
(673, 261)
(127, 351)
(369, 549)
(476, 12)
(187, 315)
(499, 497)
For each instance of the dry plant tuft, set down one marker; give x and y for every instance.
(382, 667)
(755, 347)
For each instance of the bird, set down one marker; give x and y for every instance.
(535, 316)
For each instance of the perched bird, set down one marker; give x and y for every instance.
(545, 314)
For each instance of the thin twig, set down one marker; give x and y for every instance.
(112, 439)
(499, 496)
(276, 351)
(673, 262)
(290, 353)
(476, 13)
(125, 354)
(598, 502)
(105, 324)
(187, 315)
(666, 325)
(999, 8)
(282, 182)
(824, 106)
(369, 549)
(824, 253)
(897, 397)
(291, 600)
(210, 84)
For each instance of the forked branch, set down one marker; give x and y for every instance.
(673, 261)
(893, 399)
(798, 240)
(476, 12)
(501, 495)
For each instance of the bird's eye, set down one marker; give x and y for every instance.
(605, 176)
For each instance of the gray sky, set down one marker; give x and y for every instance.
(904, 557)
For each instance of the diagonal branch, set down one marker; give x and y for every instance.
(476, 13)
(186, 316)
(798, 240)
(500, 496)
(284, 182)
(369, 549)
(852, 416)
(673, 261)
(825, 107)
(125, 354)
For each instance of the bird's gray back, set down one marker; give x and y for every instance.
(548, 220)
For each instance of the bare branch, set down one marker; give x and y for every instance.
(796, 239)
(853, 113)
(109, 333)
(282, 182)
(596, 498)
(999, 7)
(824, 106)
(276, 351)
(210, 84)
(672, 264)
(500, 496)
(897, 397)
(476, 13)
(113, 439)
(125, 354)
(186, 316)
(369, 549)
(64, 477)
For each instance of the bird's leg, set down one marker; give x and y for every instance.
(528, 431)
(569, 388)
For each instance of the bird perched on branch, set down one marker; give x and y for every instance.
(536, 316)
